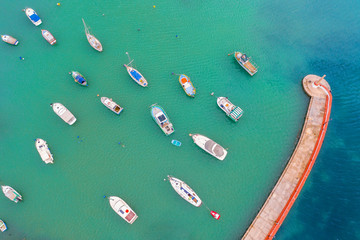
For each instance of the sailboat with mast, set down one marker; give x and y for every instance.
(135, 74)
(93, 41)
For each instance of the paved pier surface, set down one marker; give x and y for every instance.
(288, 187)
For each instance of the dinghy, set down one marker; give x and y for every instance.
(44, 151)
(11, 194)
(161, 119)
(246, 63)
(209, 146)
(94, 42)
(80, 79)
(110, 104)
(122, 209)
(176, 142)
(32, 15)
(63, 113)
(185, 191)
(187, 85)
(9, 39)
(232, 111)
(2, 226)
(48, 36)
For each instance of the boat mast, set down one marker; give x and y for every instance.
(86, 28)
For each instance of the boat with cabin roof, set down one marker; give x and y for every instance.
(2, 226)
(122, 209)
(187, 85)
(185, 191)
(32, 15)
(246, 63)
(161, 119)
(11, 194)
(209, 146)
(232, 111)
(63, 113)
(48, 36)
(79, 78)
(44, 151)
(93, 41)
(9, 39)
(110, 104)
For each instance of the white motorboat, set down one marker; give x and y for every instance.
(32, 15)
(161, 119)
(63, 113)
(122, 209)
(209, 146)
(185, 191)
(110, 104)
(11, 194)
(2, 226)
(9, 39)
(44, 151)
(48, 36)
(232, 111)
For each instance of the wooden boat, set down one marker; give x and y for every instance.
(161, 119)
(9, 39)
(44, 151)
(48, 36)
(32, 15)
(94, 42)
(63, 113)
(246, 63)
(185, 191)
(79, 78)
(136, 76)
(232, 111)
(11, 194)
(122, 209)
(110, 104)
(176, 142)
(187, 85)
(209, 146)
(2, 226)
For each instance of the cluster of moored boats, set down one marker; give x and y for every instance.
(157, 112)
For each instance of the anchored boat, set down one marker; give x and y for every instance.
(80, 79)
(209, 146)
(246, 63)
(63, 113)
(232, 111)
(187, 85)
(161, 119)
(44, 151)
(48, 36)
(185, 191)
(136, 76)
(94, 42)
(9, 39)
(11, 194)
(176, 142)
(122, 209)
(2, 226)
(110, 104)
(32, 15)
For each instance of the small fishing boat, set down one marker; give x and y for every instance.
(2, 226)
(63, 113)
(232, 111)
(136, 76)
(122, 209)
(185, 191)
(187, 85)
(94, 42)
(32, 15)
(48, 36)
(9, 39)
(80, 79)
(176, 142)
(44, 151)
(110, 104)
(161, 119)
(11, 194)
(209, 146)
(246, 63)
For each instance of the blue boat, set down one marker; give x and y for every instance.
(32, 15)
(161, 119)
(187, 85)
(136, 76)
(80, 79)
(176, 142)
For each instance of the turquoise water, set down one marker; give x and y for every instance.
(287, 40)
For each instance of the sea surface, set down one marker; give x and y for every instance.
(104, 154)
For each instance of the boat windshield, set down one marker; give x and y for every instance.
(34, 17)
(135, 74)
(161, 118)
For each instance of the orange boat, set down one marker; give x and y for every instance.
(187, 85)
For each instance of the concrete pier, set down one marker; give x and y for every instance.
(291, 181)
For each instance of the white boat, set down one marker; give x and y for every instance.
(110, 104)
(44, 151)
(136, 76)
(48, 36)
(63, 113)
(246, 63)
(122, 209)
(161, 119)
(2, 226)
(209, 146)
(185, 191)
(232, 111)
(9, 39)
(11, 194)
(32, 15)
(93, 41)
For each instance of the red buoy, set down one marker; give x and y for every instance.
(215, 215)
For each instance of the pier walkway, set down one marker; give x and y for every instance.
(282, 197)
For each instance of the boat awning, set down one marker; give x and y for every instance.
(80, 79)
(34, 17)
(136, 75)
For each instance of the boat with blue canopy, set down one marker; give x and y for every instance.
(232, 111)
(187, 85)
(136, 76)
(80, 79)
(161, 119)
(32, 15)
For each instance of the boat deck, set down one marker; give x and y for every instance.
(250, 67)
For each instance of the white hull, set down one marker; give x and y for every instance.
(2, 226)
(44, 151)
(29, 13)
(110, 104)
(122, 209)
(10, 40)
(209, 146)
(142, 81)
(48, 36)
(63, 113)
(11, 194)
(185, 191)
